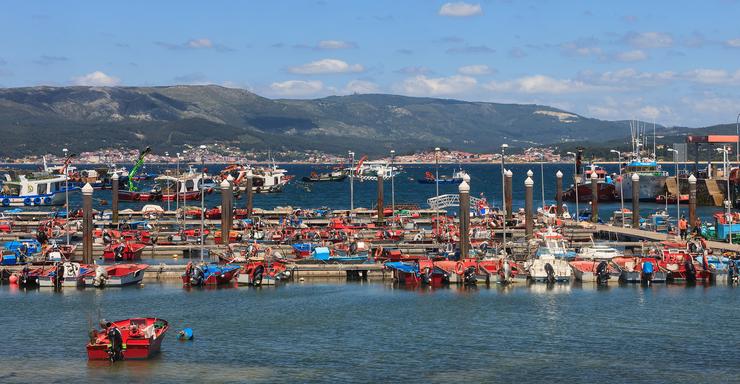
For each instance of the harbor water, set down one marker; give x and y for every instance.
(485, 180)
(375, 332)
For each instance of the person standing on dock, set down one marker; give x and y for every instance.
(697, 226)
(683, 227)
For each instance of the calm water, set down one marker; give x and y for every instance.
(373, 332)
(485, 179)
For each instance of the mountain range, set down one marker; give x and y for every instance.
(44, 119)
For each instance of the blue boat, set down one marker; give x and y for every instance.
(209, 274)
(323, 254)
(20, 250)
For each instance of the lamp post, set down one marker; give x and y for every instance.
(503, 191)
(202, 200)
(678, 186)
(542, 179)
(575, 182)
(66, 194)
(727, 200)
(177, 189)
(436, 163)
(621, 183)
(352, 181)
(393, 187)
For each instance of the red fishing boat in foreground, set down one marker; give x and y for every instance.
(137, 338)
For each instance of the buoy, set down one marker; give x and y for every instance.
(185, 334)
(13, 279)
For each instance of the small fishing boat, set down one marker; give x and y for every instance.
(197, 275)
(33, 189)
(639, 269)
(56, 253)
(136, 338)
(323, 254)
(67, 274)
(598, 252)
(599, 271)
(547, 268)
(123, 251)
(404, 273)
(116, 275)
(20, 251)
(321, 177)
(29, 277)
(456, 178)
(259, 272)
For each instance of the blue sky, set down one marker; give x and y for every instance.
(672, 61)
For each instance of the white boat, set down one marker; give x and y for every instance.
(71, 275)
(547, 268)
(264, 179)
(32, 189)
(598, 252)
(369, 170)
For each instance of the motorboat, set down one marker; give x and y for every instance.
(456, 178)
(599, 271)
(598, 252)
(33, 189)
(639, 269)
(209, 274)
(67, 274)
(130, 339)
(260, 272)
(116, 275)
(123, 250)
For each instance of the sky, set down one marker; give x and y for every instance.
(673, 62)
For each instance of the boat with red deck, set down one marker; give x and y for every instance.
(125, 250)
(130, 339)
(116, 275)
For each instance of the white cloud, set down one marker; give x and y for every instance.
(460, 9)
(635, 55)
(335, 44)
(200, 43)
(630, 77)
(649, 39)
(540, 84)
(581, 47)
(733, 43)
(97, 78)
(326, 66)
(425, 86)
(474, 70)
(713, 76)
(297, 87)
(361, 86)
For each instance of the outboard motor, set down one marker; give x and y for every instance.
(24, 275)
(550, 273)
(647, 272)
(426, 276)
(101, 277)
(506, 270)
(469, 276)
(115, 351)
(118, 252)
(732, 272)
(602, 273)
(107, 238)
(690, 271)
(352, 248)
(58, 275)
(257, 276)
(196, 276)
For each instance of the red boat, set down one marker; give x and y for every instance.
(137, 338)
(138, 195)
(680, 264)
(661, 199)
(182, 196)
(120, 251)
(256, 273)
(234, 237)
(209, 274)
(116, 275)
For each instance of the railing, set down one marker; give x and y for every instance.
(451, 200)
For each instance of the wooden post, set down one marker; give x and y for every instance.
(559, 192)
(464, 246)
(528, 205)
(381, 216)
(114, 200)
(635, 201)
(87, 224)
(508, 193)
(692, 200)
(226, 210)
(250, 194)
(594, 197)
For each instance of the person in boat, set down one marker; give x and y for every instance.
(41, 236)
(683, 227)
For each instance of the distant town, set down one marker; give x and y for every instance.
(222, 154)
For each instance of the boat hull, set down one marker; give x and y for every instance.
(51, 199)
(650, 187)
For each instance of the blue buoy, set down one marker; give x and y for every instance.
(185, 334)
